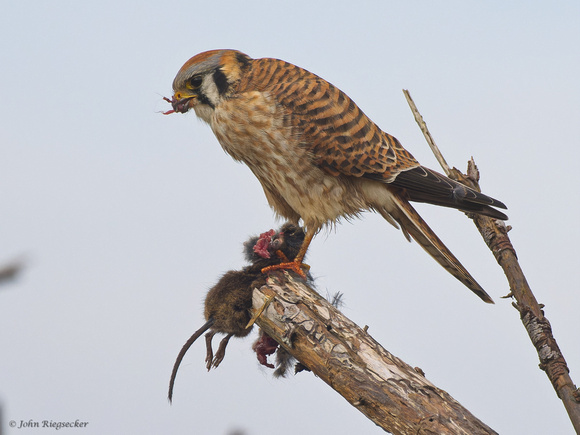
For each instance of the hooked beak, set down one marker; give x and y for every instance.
(179, 103)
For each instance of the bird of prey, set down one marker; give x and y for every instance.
(318, 157)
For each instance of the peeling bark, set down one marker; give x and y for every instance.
(392, 394)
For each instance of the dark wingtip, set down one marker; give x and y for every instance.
(503, 216)
(485, 298)
(478, 290)
(499, 204)
(422, 184)
(492, 213)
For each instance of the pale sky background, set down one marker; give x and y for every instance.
(126, 217)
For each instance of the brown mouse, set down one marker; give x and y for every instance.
(228, 303)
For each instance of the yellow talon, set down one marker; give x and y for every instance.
(293, 265)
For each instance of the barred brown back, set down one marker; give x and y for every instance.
(337, 132)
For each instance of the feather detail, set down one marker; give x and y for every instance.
(422, 184)
(413, 225)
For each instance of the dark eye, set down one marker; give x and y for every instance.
(193, 83)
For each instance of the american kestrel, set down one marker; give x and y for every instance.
(318, 157)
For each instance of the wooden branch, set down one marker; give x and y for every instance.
(426, 133)
(494, 233)
(537, 325)
(388, 391)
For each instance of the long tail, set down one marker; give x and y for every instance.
(182, 353)
(425, 185)
(413, 225)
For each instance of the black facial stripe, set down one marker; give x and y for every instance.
(204, 100)
(220, 81)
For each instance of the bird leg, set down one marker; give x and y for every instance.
(221, 352)
(297, 264)
(282, 256)
(285, 259)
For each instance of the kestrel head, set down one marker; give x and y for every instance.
(205, 79)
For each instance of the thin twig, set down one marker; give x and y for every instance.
(426, 133)
(495, 235)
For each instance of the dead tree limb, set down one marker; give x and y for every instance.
(392, 394)
(495, 235)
